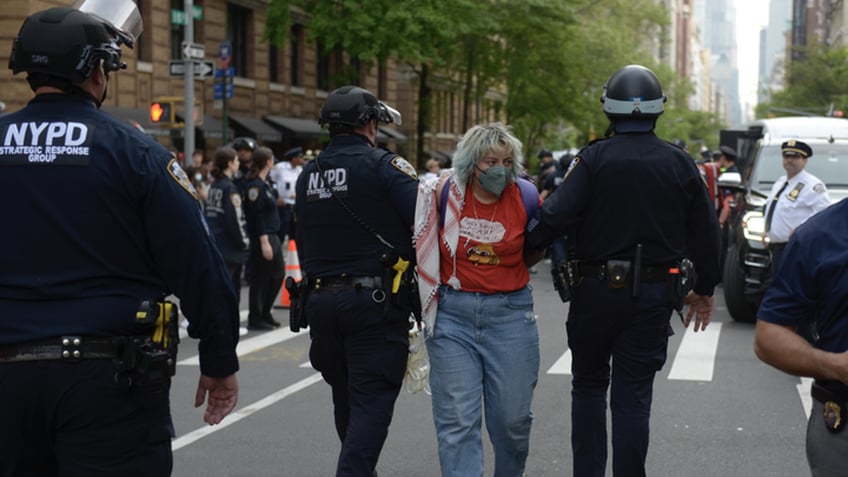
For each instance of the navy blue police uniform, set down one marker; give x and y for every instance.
(103, 219)
(809, 290)
(618, 193)
(265, 276)
(227, 224)
(359, 344)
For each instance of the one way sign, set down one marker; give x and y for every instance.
(202, 69)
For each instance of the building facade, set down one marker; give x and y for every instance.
(276, 92)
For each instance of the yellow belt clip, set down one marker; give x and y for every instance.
(400, 266)
(160, 330)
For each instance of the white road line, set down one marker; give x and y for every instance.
(695, 358)
(240, 414)
(268, 338)
(562, 365)
(804, 393)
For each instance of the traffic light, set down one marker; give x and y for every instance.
(162, 112)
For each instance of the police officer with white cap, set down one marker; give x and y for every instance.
(794, 198)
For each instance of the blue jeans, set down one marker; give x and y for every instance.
(607, 324)
(485, 349)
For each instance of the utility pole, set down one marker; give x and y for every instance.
(188, 143)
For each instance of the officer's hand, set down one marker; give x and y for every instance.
(267, 252)
(702, 307)
(223, 396)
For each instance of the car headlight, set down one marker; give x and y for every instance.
(753, 225)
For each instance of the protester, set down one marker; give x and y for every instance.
(478, 306)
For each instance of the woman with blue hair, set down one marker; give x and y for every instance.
(477, 304)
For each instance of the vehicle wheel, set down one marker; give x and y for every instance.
(734, 289)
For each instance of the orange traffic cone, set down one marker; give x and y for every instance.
(292, 270)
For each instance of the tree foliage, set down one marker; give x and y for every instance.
(815, 83)
(549, 58)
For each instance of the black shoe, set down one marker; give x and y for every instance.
(260, 326)
(271, 321)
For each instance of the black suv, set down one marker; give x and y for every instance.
(747, 262)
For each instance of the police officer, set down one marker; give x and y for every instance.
(265, 262)
(86, 380)
(637, 206)
(727, 159)
(355, 209)
(244, 146)
(225, 215)
(794, 198)
(547, 166)
(811, 288)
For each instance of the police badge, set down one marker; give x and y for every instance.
(833, 416)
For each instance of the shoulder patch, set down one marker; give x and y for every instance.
(253, 193)
(178, 174)
(819, 188)
(235, 198)
(571, 167)
(404, 166)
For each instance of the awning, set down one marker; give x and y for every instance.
(297, 127)
(137, 118)
(255, 127)
(394, 134)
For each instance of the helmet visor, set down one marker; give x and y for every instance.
(388, 114)
(121, 16)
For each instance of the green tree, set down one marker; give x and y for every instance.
(548, 59)
(815, 83)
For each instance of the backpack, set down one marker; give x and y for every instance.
(529, 196)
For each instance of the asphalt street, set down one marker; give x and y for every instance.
(718, 411)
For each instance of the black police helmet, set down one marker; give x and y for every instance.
(633, 92)
(242, 143)
(65, 43)
(354, 106)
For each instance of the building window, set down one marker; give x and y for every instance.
(273, 65)
(144, 44)
(382, 79)
(322, 68)
(240, 35)
(177, 29)
(296, 53)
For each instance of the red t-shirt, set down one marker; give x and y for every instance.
(490, 252)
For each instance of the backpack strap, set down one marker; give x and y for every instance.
(529, 196)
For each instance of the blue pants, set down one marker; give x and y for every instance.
(362, 356)
(484, 351)
(72, 420)
(825, 450)
(606, 323)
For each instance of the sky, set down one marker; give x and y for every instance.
(751, 15)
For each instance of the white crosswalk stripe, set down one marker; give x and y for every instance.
(695, 358)
(694, 361)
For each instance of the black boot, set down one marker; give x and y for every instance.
(259, 326)
(271, 321)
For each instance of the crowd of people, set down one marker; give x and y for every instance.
(448, 253)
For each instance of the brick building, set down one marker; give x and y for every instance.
(277, 92)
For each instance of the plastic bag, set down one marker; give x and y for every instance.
(417, 376)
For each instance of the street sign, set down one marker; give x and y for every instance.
(229, 72)
(202, 69)
(219, 88)
(193, 51)
(178, 17)
(225, 51)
